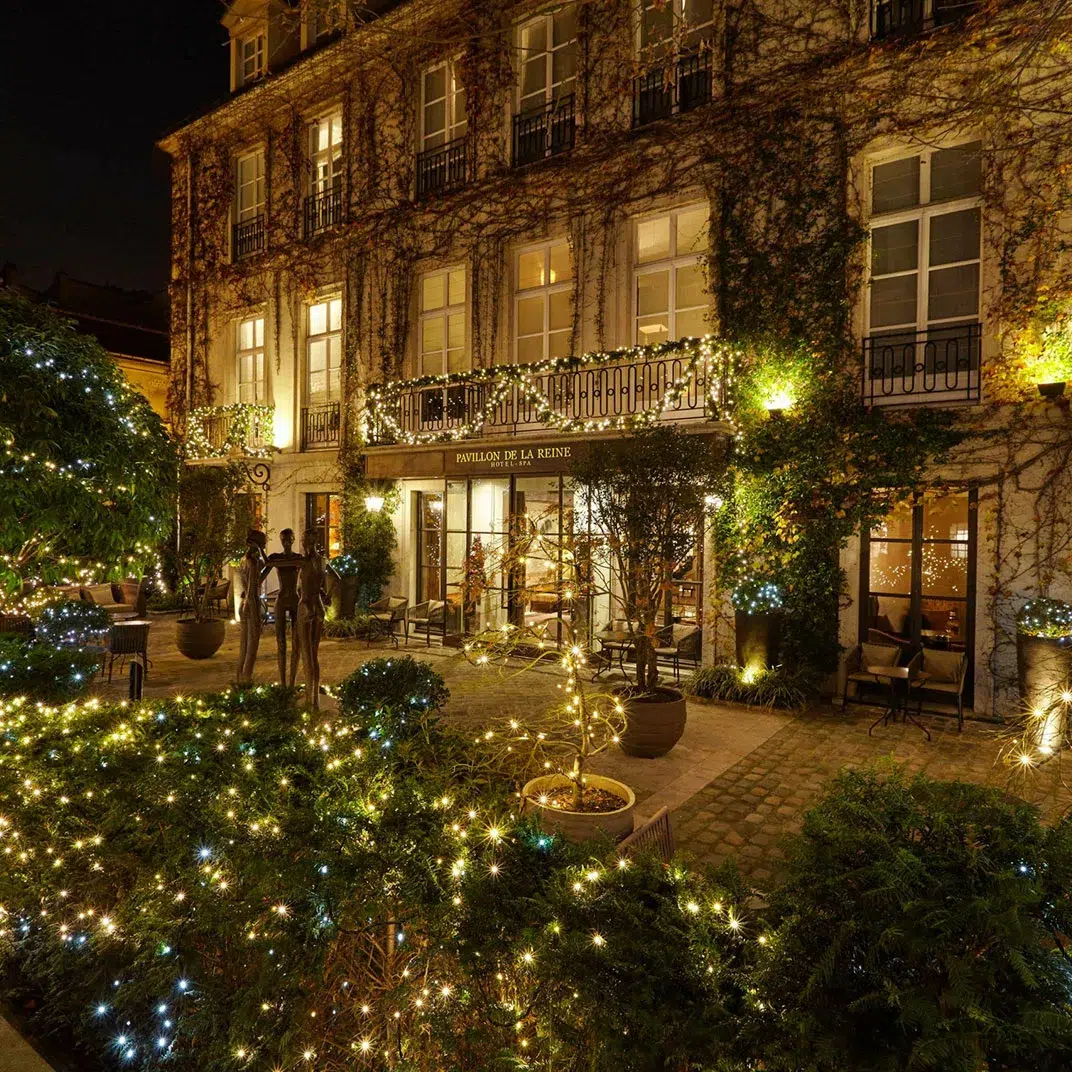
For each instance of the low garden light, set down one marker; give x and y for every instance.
(778, 401)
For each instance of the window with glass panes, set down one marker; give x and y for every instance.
(925, 244)
(250, 58)
(325, 153)
(323, 357)
(677, 27)
(442, 106)
(548, 46)
(250, 189)
(250, 352)
(441, 329)
(429, 545)
(670, 294)
(323, 516)
(543, 308)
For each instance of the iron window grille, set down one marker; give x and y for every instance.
(544, 132)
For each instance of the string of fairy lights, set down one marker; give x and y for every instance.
(211, 757)
(247, 430)
(715, 361)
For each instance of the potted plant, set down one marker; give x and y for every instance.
(475, 582)
(757, 607)
(1043, 651)
(344, 583)
(215, 516)
(647, 496)
(561, 742)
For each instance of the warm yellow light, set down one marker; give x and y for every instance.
(282, 434)
(374, 503)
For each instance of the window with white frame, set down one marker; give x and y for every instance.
(250, 186)
(250, 52)
(543, 305)
(326, 18)
(926, 231)
(670, 299)
(323, 352)
(441, 338)
(250, 349)
(670, 28)
(442, 106)
(548, 45)
(325, 153)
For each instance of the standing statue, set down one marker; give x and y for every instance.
(249, 614)
(311, 592)
(287, 565)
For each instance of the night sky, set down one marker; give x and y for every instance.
(86, 89)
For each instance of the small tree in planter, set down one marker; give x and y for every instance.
(758, 624)
(647, 496)
(1044, 665)
(215, 517)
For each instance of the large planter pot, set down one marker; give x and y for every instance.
(578, 826)
(199, 640)
(1044, 665)
(759, 639)
(654, 722)
(346, 593)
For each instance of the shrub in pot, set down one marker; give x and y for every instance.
(215, 516)
(1044, 651)
(344, 586)
(758, 624)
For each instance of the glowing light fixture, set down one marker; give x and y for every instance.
(374, 503)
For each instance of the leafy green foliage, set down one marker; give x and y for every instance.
(368, 536)
(778, 687)
(47, 671)
(1045, 618)
(922, 925)
(87, 471)
(347, 628)
(71, 622)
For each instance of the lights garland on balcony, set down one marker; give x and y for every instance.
(247, 420)
(720, 359)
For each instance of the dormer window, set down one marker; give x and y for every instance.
(250, 57)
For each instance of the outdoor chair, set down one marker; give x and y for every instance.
(137, 593)
(946, 673)
(656, 836)
(383, 614)
(428, 617)
(679, 643)
(104, 596)
(859, 659)
(612, 647)
(128, 638)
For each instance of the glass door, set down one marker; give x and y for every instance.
(429, 545)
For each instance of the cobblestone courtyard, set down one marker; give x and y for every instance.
(737, 783)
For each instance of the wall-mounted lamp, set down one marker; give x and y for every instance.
(778, 402)
(1052, 390)
(374, 503)
(713, 502)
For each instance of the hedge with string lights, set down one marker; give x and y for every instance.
(87, 471)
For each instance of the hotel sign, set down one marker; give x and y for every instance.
(530, 458)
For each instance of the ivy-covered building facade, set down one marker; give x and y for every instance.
(426, 249)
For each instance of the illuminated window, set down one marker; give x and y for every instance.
(250, 188)
(543, 307)
(670, 299)
(674, 28)
(323, 359)
(548, 45)
(323, 515)
(250, 348)
(250, 57)
(325, 153)
(442, 106)
(442, 322)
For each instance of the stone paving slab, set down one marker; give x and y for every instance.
(16, 1054)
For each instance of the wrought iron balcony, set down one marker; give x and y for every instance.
(320, 426)
(441, 169)
(545, 132)
(322, 211)
(248, 237)
(679, 87)
(241, 430)
(890, 18)
(684, 381)
(939, 365)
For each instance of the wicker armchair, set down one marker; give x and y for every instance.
(428, 617)
(383, 614)
(857, 662)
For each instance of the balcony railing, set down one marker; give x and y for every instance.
(664, 91)
(939, 365)
(673, 382)
(890, 18)
(248, 237)
(243, 429)
(441, 169)
(322, 211)
(545, 132)
(320, 426)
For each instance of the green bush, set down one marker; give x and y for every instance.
(353, 628)
(71, 623)
(775, 688)
(44, 672)
(757, 596)
(921, 926)
(1045, 618)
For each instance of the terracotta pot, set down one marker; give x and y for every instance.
(199, 640)
(1044, 665)
(655, 722)
(759, 638)
(578, 826)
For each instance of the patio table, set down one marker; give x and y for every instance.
(900, 687)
